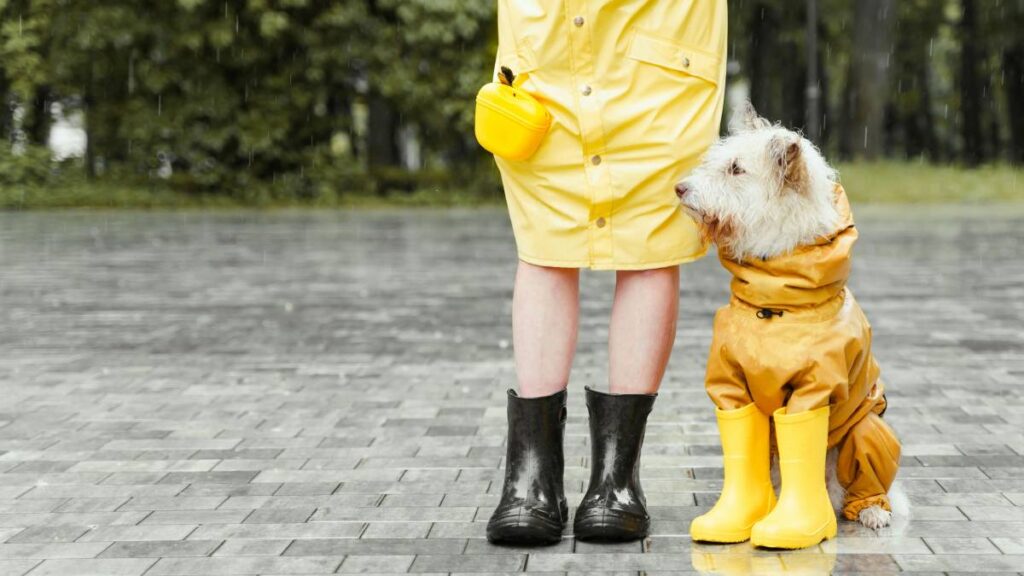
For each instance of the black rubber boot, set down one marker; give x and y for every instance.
(533, 509)
(614, 507)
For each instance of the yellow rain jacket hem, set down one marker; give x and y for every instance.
(610, 265)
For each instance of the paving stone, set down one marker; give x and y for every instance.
(404, 546)
(94, 567)
(969, 563)
(138, 533)
(271, 531)
(18, 567)
(414, 514)
(304, 392)
(279, 515)
(160, 548)
(244, 565)
(252, 548)
(174, 503)
(475, 564)
(44, 550)
(1009, 545)
(397, 530)
(197, 517)
(376, 564)
(960, 546)
(48, 534)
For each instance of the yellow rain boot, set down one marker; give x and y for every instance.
(747, 494)
(804, 515)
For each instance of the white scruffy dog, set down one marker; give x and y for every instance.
(735, 190)
(763, 192)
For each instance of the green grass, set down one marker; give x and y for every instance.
(100, 195)
(85, 195)
(866, 183)
(918, 183)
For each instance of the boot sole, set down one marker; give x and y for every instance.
(794, 543)
(720, 537)
(524, 535)
(524, 530)
(611, 527)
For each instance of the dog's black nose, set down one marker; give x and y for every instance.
(682, 189)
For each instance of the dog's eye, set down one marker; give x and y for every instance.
(735, 169)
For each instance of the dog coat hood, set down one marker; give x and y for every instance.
(793, 335)
(806, 278)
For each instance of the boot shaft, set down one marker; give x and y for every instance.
(535, 457)
(803, 443)
(745, 435)
(618, 424)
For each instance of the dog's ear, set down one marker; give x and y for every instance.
(746, 119)
(789, 158)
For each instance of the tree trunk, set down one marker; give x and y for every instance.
(793, 91)
(827, 112)
(868, 79)
(382, 145)
(1013, 66)
(812, 117)
(762, 51)
(6, 119)
(88, 111)
(926, 116)
(970, 87)
(40, 119)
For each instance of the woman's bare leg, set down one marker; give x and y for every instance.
(643, 329)
(545, 321)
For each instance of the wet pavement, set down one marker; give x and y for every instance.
(311, 393)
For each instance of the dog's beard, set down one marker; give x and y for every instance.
(719, 230)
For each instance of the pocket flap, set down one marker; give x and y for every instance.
(522, 60)
(675, 56)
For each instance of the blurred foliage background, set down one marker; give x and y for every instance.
(165, 102)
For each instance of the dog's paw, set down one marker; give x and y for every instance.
(875, 517)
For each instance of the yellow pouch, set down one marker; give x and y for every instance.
(510, 122)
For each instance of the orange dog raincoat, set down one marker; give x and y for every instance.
(793, 335)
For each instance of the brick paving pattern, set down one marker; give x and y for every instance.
(317, 393)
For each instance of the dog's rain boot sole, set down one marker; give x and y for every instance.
(719, 536)
(795, 542)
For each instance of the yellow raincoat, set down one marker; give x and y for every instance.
(793, 335)
(635, 89)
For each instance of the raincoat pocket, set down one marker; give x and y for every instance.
(672, 55)
(522, 60)
(510, 121)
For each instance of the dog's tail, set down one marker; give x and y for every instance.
(900, 503)
(898, 499)
(836, 492)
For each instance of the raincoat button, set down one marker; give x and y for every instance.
(586, 90)
(600, 222)
(686, 62)
(578, 21)
(596, 160)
